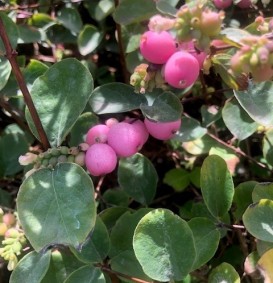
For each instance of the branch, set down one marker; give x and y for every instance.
(11, 56)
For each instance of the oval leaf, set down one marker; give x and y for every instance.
(5, 70)
(265, 263)
(224, 273)
(257, 101)
(206, 240)
(86, 274)
(237, 120)
(115, 98)
(31, 268)
(262, 191)
(89, 39)
(70, 18)
(138, 178)
(258, 219)
(216, 185)
(164, 245)
(57, 206)
(165, 108)
(60, 96)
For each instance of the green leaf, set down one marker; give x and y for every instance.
(5, 199)
(262, 191)
(57, 206)
(206, 240)
(41, 20)
(265, 263)
(96, 247)
(210, 114)
(29, 34)
(5, 71)
(89, 39)
(243, 197)
(177, 178)
(138, 178)
(62, 264)
(166, 7)
(164, 245)
(115, 98)
(267, 146)
(221, 63)
(216, 185)
(11, 30)
(31, 268)
(237, 120)
(195, 176)
(165, 108)
(70, 18)
(234, 36)
(58, 34)
(258, 219)
(12, 145)
(131, 35)
(116, 197)
(190, 130)
(86, 274)
(78, 133)
(200, 146)
(127, 263)
(101, 9)
(263, 246)
(122, 233)
(224, 273)
(258, 102)
(60, 96)
(131, 11)
(110, 215)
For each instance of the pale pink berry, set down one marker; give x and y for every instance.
(97, 134)
(244, 4)
(162, 130)
(159, 23)
(222, 4)
(211, 22)
(139, 125)
(157, 47)
(111, 121)
(181, 70)
(125, 139)
(100, 159)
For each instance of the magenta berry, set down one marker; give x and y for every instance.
(125, 139)
(157, 47)
(162, 130)
(222, 4)
(244, 4)
(181, 70)
(97, 134)
(100, 159)
(139, 125)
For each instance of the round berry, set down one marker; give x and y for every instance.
(100, 159)
(157, 47)
(181, 70)
(222, 4)
(139, 125)
(9, 219)
(244, 4)
(125, 139)
(211, 22)
(97, 134)
(162, 130)
(111, 121)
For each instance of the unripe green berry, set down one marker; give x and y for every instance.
(64, 150)
(62, 158)
(71, 158)
(53, 161)
(54, 151)
(79, 159)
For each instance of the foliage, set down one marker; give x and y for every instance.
(136, 141)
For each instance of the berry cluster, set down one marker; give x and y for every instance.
(13, 241)
(255, 57)
(115, 139)
(53, 156)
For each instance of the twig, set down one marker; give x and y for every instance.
(98, 187)
(121, 51)
(109, 270)
(237, 150)
(11, 56)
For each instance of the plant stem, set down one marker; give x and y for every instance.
(121, 51)
(11, 56)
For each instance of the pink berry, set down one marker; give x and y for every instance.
(97, 134)
(222, 4)
(100, 159)
(139, 125)
(157, 47)
(162, 130)
(181, 70)
(244, 4)
(125, 139)
(189, 47)
(211, 22)
(9, 219)
(111, 121)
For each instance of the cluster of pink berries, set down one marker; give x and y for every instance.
(255, 57)
(107, 142)
(176, 48)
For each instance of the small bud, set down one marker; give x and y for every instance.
(74, 150)
(27, 159)
(3, 229)
(53, 161)
(71, 158)
(84, 146)
(9, 219)
(62, 158)
(79, 158)
(64, 149)
(54, 151)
